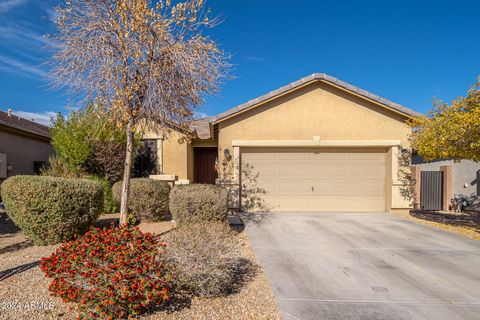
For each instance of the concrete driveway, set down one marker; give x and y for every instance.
(366, 266)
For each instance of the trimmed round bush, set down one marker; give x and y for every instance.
(193, 203)
(148, 198)
(50, 210)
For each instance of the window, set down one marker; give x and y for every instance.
(145, 162)
(38, 166)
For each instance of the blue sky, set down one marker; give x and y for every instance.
(405, 51)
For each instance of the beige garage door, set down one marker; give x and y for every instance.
(324, 180)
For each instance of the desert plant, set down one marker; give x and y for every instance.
(58, 168)
(88, 143)
(114, 273)
(198, 202)
(148, 198)
(50, 210)
(206, 256)
(106, 159)
(110, 205)
(70, 139)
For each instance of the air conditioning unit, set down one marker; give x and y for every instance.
(3, 165)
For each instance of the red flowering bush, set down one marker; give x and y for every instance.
(111, 273)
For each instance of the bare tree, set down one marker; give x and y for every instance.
(142, 61)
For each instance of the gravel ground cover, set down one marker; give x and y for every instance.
(24, 289)
(464, 223)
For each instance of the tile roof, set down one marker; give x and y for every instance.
(25, 125)
(202, 128)
(308, 79)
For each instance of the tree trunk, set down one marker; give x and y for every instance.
(126, 175)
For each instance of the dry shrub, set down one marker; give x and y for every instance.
(207, 258)
(106, 159)
(58, 168)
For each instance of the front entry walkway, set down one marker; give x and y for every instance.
(366, 266)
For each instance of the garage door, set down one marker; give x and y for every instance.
(324, 180)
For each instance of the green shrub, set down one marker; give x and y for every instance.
(110, 205)
(50, 210)
(206, 257)
(148, 198)
(57, 168)
(88, 142)
(198, 202)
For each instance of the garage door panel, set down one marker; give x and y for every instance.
(287, 187)
(329, 171)
(295, 156)
(369, 188)
(329, 156)
(330, 203)
(261, 156)
(295, 171)
(371, 157)
(367, 172)
(315, 179)
(265, 172)
(266, 187)
(364, 204)
(330, 188)
(284, 204)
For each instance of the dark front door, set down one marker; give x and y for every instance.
(205, 171)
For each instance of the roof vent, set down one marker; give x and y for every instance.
(9, 112)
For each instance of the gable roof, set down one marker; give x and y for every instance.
(20, 124)
(310, 79)
(202, 128)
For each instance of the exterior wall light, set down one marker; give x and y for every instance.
(227, 154)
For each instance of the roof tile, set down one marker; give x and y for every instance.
(320, 77)
(22, 124)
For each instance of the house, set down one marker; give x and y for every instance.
(317, 144)
(440, 180)
(24, 145)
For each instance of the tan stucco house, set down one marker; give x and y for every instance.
(317, 144)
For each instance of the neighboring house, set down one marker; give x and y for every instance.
(24, 145)
(455, 178)
(317, 144)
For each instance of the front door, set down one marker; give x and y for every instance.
(205, 171)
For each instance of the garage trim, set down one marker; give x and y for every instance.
(315, 142)
(391, 145)
(348, 169)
